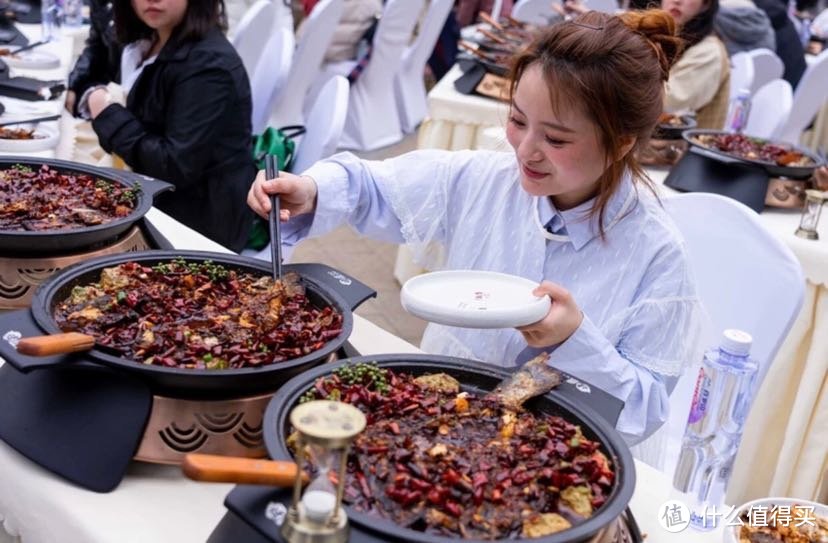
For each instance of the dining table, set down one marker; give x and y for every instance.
(157, 503)
(786, 434)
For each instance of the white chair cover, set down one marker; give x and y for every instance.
(317, 32)
(324, 124)
(727, 244)
(373, 121)
(538, 12)
(607, 6)
(270, 76)
(770, 109)
(741, 73)
(767, 66)
(248, 40)
(810, 94)
(409, 85)
(236, 9)
(497, 7)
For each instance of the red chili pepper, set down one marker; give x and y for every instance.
(451, 477)
(453, 509)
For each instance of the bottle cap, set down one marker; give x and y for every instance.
(736, 342)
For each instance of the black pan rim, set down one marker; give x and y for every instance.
(277, 412)
(772, 167)
(116, 226)
(42, 303)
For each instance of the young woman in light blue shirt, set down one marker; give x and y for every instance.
(570, 208)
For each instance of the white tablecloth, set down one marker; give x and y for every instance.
(19, 109)
(784, 451)
(157, 504)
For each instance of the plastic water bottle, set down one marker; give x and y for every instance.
(51, 12)
(721, 400)
(737, 113)
(73, 12)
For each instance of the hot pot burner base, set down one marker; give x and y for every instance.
(21, 275)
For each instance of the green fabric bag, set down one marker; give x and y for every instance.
(280, 143)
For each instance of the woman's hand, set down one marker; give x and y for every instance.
(297, 195)
(69, 104)
(563, 319)
(98, 100)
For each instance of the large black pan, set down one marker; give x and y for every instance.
(60, 241)
(774, 169)
(473, 376)
(180, 382)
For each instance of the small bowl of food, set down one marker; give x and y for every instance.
(28, 137)
(778, 520)
(671, 126)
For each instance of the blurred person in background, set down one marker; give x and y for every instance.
(187, 114)
(700, 79)
(788, 44)
(743, 27)
(467, 10)
(358, 18)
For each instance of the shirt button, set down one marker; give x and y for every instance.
(109, 6)
(111, 23)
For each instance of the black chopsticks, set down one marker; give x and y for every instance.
(27, 47)
(274, 221)
(34, 120)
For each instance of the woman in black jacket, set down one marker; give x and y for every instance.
(187, 118)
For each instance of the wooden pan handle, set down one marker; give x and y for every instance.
(474, 50)
(227, 469)
(70, 342)
(488, 19)
(494, 37)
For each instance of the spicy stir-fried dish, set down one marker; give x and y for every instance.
(47, 199)
(796, 524)
(456, 464)
(749, 148)
(18, 134)
(198, 315)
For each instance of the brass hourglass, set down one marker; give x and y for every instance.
(810, 214)
(325, 430)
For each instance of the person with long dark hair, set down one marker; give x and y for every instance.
(700, 80)
(187, 115)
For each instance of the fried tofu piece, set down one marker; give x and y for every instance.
(544, 524)
(439, 382)
(579, 499)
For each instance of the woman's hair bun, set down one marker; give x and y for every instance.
(659, 28)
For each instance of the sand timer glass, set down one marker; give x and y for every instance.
(325, 430)
(810, 214)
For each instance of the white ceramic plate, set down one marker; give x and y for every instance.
(32, 60)
(474, 299)
(731, 533)
(48, 139)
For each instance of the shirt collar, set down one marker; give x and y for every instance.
(579, 228)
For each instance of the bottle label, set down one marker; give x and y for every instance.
(700, 397)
